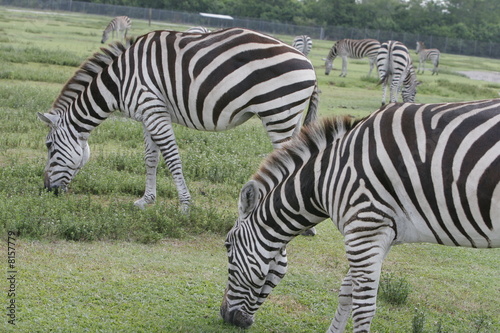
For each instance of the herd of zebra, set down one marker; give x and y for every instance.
(406, 173)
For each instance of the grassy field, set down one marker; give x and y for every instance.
(90, 261)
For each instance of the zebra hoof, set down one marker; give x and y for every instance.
(309, 232)
(141, 204)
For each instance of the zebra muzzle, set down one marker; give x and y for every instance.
(235, 317)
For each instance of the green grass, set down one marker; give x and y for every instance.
(89, 260)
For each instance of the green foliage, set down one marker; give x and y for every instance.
(418, 321)
(393, 289)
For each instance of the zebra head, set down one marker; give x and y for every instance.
(329, 59)
(105, 36)
(68, 151)
(255, 267)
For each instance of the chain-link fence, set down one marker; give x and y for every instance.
(444, 44)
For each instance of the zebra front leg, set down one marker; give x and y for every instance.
(344, 66)
(367, 244)
(151, 159)
(344, 308)
(159, 127)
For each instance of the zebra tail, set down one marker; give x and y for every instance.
(312, 109)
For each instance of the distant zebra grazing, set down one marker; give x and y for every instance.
(198, 30)
(427, 54)
(303, 44)
(352, 48)
(408, 173)
(118, 24)
(208, 82)
(395, 67)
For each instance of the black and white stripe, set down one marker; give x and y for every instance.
(427, 54)
(303, 43)
(118, 24)
(395, 68)
(407, 173)
(198, 30)
(208, 82)
(352, 48)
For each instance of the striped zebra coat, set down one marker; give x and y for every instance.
(427, 54)
(118, 24)
(352, 48)
(407, 173)
(208, 82)
(303, 44)
(395, 68)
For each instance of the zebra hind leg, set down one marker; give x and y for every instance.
(160, 129)
(151, 160)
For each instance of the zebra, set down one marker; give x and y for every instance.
(198, 30)
(303, 44)
(119, 23)
(427, 54)
(208, 82)
(407, 173)
(352, 48)
(395, 67)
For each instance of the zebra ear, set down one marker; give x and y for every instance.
(248, 198)
(48, 118)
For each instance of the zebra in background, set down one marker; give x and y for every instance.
(198, 30)
(427, 54)
(118, 24)
(208, 82)
(395, 67)
(303, 44)
(352, 48)
(407, 173)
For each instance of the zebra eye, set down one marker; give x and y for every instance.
(227, 245)
(48, 144)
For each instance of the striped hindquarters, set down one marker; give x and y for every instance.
(303, 44)
(395, 67)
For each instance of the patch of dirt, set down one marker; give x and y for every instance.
(484, 76)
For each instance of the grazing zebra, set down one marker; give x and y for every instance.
(208, 82)
(303, 43)
(352, 48)
(198, 30)
(119, 23)
(427, 54)
(407, 173)
(395, 67)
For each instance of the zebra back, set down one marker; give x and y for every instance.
(198, 30)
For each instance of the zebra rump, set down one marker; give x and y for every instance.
(408, 173)
(395, 68)
(303, 44)
(209, 82)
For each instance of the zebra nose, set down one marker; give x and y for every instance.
(50, 187)
(235, 317)
(46, 181)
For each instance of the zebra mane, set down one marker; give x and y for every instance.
(311, 140)
(87, 73)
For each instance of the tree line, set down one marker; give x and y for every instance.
(462, 19)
